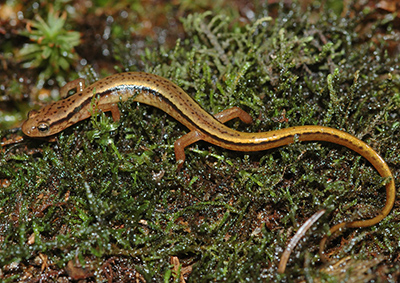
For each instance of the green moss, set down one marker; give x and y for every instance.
(111, 190)
(53, 48)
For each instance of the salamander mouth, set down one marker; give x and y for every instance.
(26, 129)
(31, 130)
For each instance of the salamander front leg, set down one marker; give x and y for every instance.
(113, 108)
(78, 85)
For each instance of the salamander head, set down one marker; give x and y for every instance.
(42, 124)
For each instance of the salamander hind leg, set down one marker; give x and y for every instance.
(232, 113)
(183, 142)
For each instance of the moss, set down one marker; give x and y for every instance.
(107, 191)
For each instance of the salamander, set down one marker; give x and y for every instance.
(161, 93)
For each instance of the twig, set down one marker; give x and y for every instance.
(296, 238)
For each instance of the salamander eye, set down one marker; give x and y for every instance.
(43, 127)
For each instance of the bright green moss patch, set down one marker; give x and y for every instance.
(106, 195)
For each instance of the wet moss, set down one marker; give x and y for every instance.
(107, 194)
